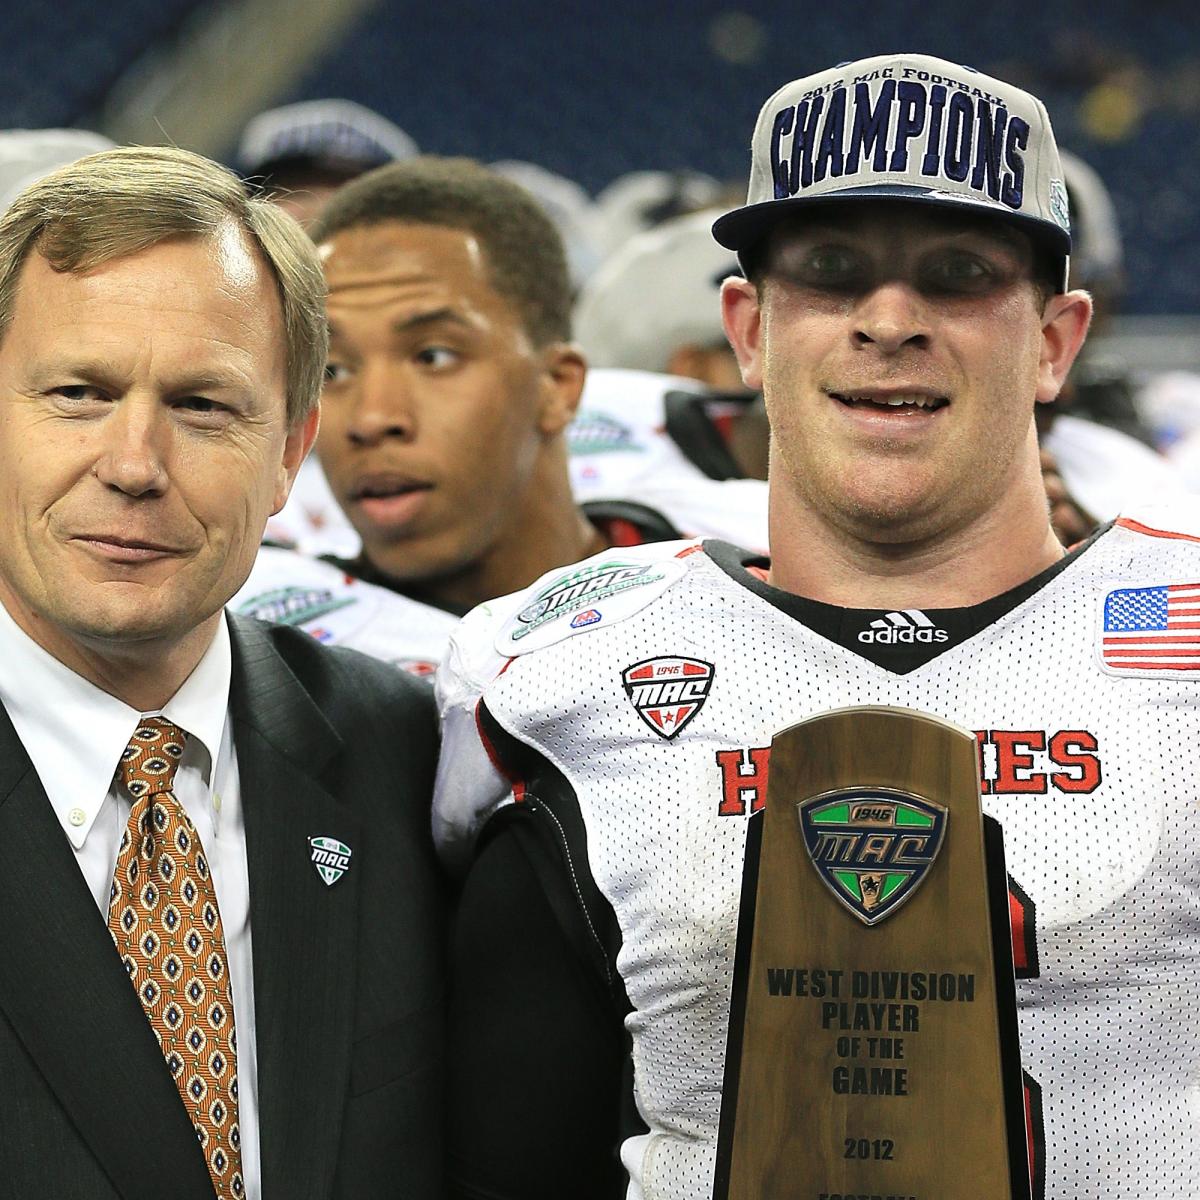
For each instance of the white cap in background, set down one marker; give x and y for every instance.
(566, 204)
(660, 291)
(27, 155)
(641, 200)
(326, 132)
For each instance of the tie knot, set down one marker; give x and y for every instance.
(149, 762)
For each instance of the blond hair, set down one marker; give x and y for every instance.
(115, 203)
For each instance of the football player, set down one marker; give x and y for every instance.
(608, 730)
(450, 383)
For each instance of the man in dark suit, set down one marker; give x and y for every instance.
(219, 926)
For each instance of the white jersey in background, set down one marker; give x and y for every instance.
(618, 440)
(660, 440)
(286, 588)
(635, 697)
(1108, 471)
(311, 521)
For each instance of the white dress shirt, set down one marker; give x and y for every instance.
(74, 734)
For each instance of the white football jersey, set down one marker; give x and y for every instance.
(625, 444)
(288, 588)
(651, 681)
(312, 521)
(618, 439)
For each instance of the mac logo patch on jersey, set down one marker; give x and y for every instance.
(872, 847)
(293, 605)
(668, 692)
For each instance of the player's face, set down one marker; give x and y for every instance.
(143, 442)
(437, 406)
(901, 351)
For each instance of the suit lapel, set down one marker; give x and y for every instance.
(304, 931)
(69, 1001)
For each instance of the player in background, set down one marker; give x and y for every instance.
(654, 306)
(607, 731)
(299, 155)
(302, 153)
(451, 380)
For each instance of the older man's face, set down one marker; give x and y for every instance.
(143, 441)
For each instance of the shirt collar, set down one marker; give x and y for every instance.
(202, 702)
(75, 733)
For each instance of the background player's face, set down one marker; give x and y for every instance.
(144, 441)
(901, 351)
(435, 408)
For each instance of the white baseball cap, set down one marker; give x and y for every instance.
(660, 291)
(338, 131)
(566, 204)
(905, 127)
(27, 155)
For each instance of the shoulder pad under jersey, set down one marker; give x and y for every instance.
(1175, 518)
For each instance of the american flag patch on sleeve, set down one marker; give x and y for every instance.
(1151, 630)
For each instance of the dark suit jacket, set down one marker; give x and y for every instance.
(347, 978)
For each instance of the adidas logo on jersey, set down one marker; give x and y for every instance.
(903, 628)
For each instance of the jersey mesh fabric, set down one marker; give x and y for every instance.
(1111, 865)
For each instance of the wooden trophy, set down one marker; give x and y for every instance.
(873, 1033)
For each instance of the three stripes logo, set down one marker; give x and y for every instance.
(907, 627)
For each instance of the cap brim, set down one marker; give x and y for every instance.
(744, 228)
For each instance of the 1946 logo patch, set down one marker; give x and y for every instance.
(668, 692)
(872, 847)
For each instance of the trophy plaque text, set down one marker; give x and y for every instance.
(873, 1044)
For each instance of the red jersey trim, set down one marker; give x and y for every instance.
(1149, 531)
(518, 784)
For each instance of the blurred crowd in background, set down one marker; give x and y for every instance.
(628, 126)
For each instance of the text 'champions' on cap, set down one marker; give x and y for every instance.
(905, 127)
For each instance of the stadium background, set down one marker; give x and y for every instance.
(596, 90)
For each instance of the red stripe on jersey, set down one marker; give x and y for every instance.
(518, 784)
(1164, 639)
(1161, 666)
(1145, 652)
(724, 426)
(696, 549)
(1149, 531)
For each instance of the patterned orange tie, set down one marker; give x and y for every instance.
(163, 916)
